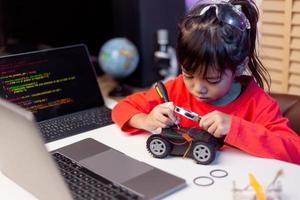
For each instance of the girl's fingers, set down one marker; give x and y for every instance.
(205, 123)
(207, 116)
(168, 110)
(165, 121)
(218, 132)
(216, 123)
(172, 117)
(161, 125)
(212, 129)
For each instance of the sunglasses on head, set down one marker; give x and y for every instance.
(226, 13)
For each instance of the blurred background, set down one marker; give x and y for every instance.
(32, 25)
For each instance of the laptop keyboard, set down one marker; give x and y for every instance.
(85, 184)
(75, 123)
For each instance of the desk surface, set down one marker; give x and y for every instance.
(236, 163)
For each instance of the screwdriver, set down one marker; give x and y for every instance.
(162, 92)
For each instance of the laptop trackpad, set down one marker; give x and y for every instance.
(115, 166)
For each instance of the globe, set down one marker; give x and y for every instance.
(118, 57)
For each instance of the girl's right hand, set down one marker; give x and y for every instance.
(161, 116)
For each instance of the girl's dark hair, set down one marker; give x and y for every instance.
(205, 42)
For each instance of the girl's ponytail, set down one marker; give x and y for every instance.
(259, 72)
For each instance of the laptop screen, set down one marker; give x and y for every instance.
(50, 83)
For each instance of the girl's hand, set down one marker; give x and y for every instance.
(216, 123)
(161, 116)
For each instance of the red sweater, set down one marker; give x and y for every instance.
(257, 126)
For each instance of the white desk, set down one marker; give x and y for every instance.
(238, 165)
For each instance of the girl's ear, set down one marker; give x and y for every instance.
(241, 68)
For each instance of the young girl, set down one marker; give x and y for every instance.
(222, 80)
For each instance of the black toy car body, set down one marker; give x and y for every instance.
(192, 142)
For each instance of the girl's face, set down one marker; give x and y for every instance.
(209, 88)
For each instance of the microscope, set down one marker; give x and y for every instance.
(165, 56)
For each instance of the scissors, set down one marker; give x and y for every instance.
(162, 92)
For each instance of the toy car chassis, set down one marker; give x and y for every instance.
(192, 142)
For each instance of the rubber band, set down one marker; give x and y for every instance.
(188, 149)
(214, 173)
(204, 178)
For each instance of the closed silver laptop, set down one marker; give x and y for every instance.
(91, 170)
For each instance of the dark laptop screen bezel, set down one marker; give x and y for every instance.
(71, 62)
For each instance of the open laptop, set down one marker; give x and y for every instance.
(59, 86)
(91, 169)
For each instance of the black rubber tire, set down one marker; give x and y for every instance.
(203, 153)
(158, 146)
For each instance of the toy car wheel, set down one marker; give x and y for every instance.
(158, 146)
(203, 153)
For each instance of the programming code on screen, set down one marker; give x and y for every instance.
(50, 83)
(33, 89)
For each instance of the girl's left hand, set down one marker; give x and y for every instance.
(216, 123)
